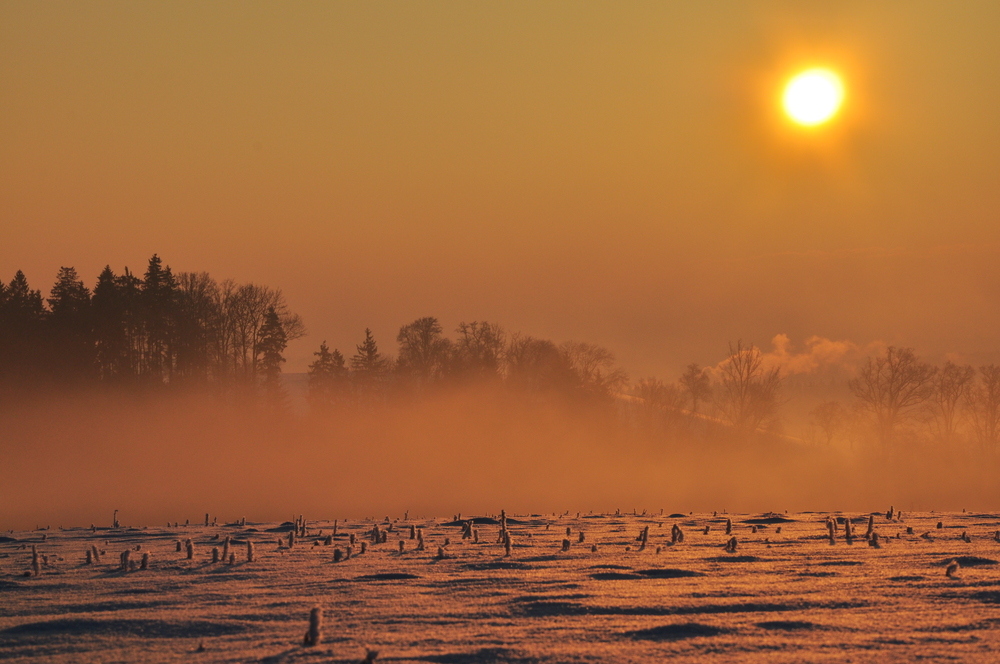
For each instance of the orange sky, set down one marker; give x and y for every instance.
(617, 173)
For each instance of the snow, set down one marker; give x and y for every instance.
(781, 597)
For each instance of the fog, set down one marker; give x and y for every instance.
(620, 175)
(73, 460)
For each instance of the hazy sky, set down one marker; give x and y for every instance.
(612, 172)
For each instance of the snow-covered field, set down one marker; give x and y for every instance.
(787, 596)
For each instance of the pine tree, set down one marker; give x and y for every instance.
(71, 332)
(369, 366)
(368, 359)
(326, 377)
(112, 325)
(69, 296)
(21, 301)
(159, 329)
(272, 344)
(129, 289)
(22, 317)
(159, 303)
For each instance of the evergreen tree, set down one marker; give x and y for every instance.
(369, 366)
(110, 331)
(368, 360)
(70, 323)
(159, 329)
(21, 302)
(159, 304)
(22, 317)
(133, 322)
(272, 344)
(326, 377)
(69, 297)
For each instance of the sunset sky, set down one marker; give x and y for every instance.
(620, 173)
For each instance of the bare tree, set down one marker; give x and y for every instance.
(225, 339)
(949, 391)
(423, 350)
(661, 404)
(199, 326)
(830, 417)
(536, 365)
(245, 308)
(595, 368)
(984, 408)
(697, 384)
(748, 396)
(891, 389)
(479, 349)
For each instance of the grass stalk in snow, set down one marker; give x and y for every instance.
(314, 635)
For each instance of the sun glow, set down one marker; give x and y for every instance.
(813, 97)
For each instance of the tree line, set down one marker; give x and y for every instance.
(156, 330)
(165, 329)
(482, 352)
(897, 402)
(900, 399)
(168, 329)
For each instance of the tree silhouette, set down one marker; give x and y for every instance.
(423, 351)
(830, 417)
(368, 367)
(327, 377)
(537, 366)
(22, 315)
(157, 331)
(479, 350)
(244, 310)
(110, 327)
(272, 344)
(748, 396)
(130, 293)
(697, 384)
(949, 391)
(984, 408)
(597, 376)
(198, 325)
(891, 388)
(71, 334)
(368, 361)
(660, 404)
(158, 297)
(169, 330)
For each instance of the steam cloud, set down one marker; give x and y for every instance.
(820, 355)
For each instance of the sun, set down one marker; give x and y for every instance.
(813, 97)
